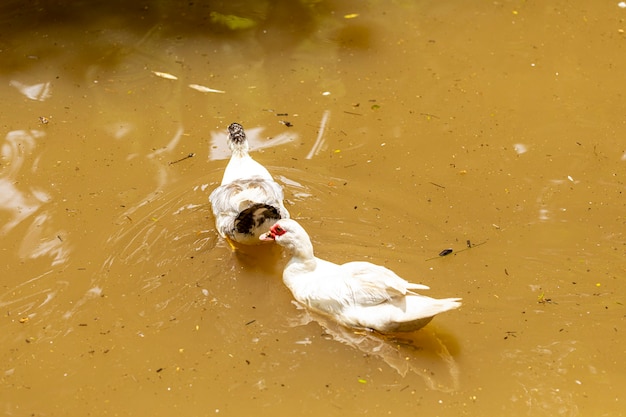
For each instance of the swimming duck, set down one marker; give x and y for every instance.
(248, 200)
(356, 294)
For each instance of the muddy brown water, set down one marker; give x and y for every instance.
(398, 129)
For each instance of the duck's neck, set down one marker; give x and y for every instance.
(239, 150)
(236, 167)
(303, 255)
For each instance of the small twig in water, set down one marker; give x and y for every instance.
(191, 155)
(448, 251)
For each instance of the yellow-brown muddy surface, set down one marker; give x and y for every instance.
(398, 129)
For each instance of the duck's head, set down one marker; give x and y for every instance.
(289, 234)
(282, 230)
(237, 137)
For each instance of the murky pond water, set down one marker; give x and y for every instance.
(398, 129)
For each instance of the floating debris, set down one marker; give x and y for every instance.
(191, 155)
(429, 116)
(204, 89)
(510, 333)
(542, 299)
(520, 148)
(165, 75)
(232, 21)
(448, 251)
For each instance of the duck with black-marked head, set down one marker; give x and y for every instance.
(248, 201)
(356, 294)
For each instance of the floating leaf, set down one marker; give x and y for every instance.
(204, 89)
(231, 21)
(165, 75)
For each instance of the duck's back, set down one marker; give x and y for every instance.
(320, 288)
(236, 196)
(244, 209)
(244, 167)
(364, 295)
(401, 314)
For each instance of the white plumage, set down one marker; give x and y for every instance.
(248, 201)
(355, 294)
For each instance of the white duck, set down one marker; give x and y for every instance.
(355, 294)
(248, 201)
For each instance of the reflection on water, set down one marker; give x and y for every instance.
(39, 241)
(542, 378)
(422, 353)
(320, 141)
(18, 147)
(40, 92)
(21, 203)
(396, 129)
(219, 145)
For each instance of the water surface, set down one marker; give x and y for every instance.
(398, 129)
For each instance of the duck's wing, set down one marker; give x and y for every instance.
(231, 202)
(236, 196)
(372, 284)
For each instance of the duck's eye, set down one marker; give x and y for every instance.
(278, 231)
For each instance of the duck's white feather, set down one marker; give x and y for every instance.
(248, 201)
(241, 167)
(230, 199)
(356, 294)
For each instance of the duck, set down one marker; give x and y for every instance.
(358, 294)
(248, 201)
